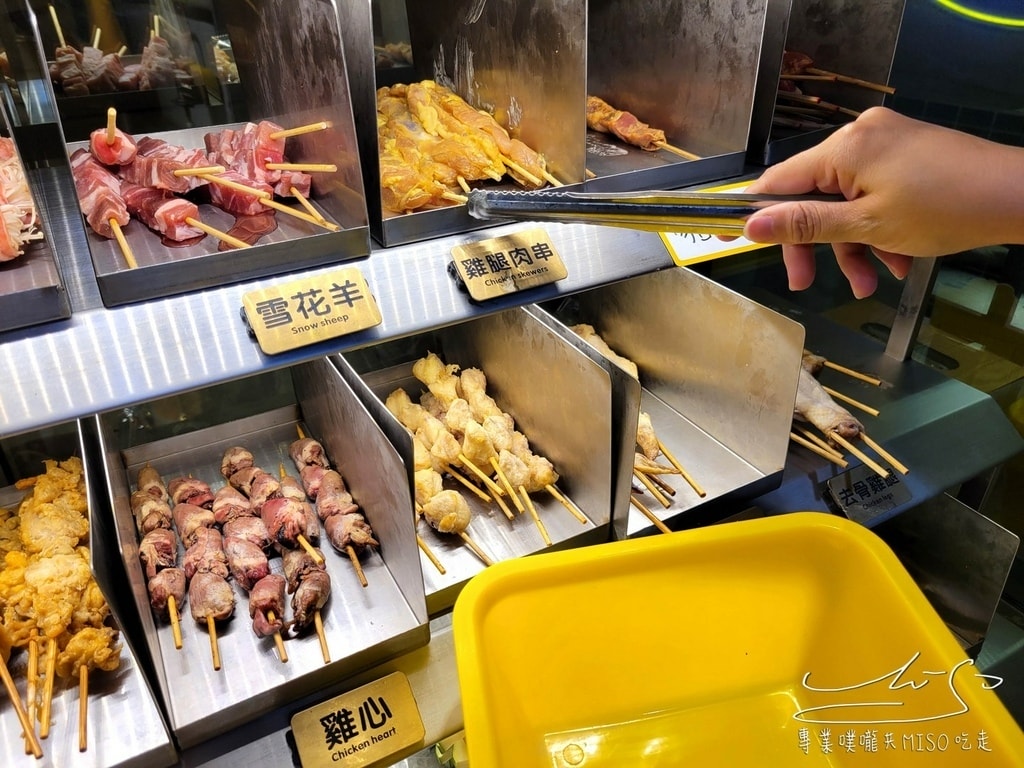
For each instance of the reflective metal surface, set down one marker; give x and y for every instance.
(687, 68)
(125, 725)
(527, 366)
(719, 374)
(102, 359)
(362, 626)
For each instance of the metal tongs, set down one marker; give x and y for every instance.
(709, 213)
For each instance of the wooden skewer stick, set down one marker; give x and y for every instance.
(463, 184)
(297, 214)
(430, 554)
(304, 202)
(466, 482)
(655, 469)
(875, 466)
(172, 611)
(262, 194)
(648, 514)
(508, 486)
(551, 179)
(475, 549)
(299, 130)
(896, 464)
(26, 724)
(126, 250)
(658, 481)
(589, 173)
(51, 668)
(96, 38)
(522, 171)
(282, 654)
(214, 232)
(305, 167)
(686, 475)
(83, 708)
(492, 486)
(56, 26)
(855, 374)
(310, 549)
(567, 503)
(813, 448)
(201, 171)
(122, 50)
(810, 78)
(111, 125)
(492, 174)
(536, 518)
(318, 622)
(454, 197)
(156, 25)
(851, 80)
(211, 626)
(819, 441)
(32, 672)
(850, 401)
(356, 564)
(676, 150)
(653, 490)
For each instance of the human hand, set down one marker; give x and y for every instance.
(911, 189)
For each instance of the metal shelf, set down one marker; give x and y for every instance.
(101, 359)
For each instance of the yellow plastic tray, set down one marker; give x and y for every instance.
(797, 640)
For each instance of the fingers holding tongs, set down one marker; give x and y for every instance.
(709, 213)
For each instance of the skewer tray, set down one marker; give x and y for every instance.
(125, 727)
(559, 398)
(719, 375)
(362, 626)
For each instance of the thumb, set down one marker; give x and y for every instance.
(802, 222)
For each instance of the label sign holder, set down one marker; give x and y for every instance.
(316, 308)
(863, 495)
(507, 264)
(361, 727)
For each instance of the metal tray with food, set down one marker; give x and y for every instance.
(31, 289)
(332, 586)
(719, 376)
(201, 227)
(58, 591)
(488, 398)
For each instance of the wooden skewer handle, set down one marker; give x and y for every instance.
(83, 708)
(26, 724)
(855, 374)
(649, 515)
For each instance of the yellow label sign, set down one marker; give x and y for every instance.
(360, 727)
(690, 248)
(313, 309)
(506, 264)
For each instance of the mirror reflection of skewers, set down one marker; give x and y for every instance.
(603, 117)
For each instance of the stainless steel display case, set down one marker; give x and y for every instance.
(125, 725)
(719, 375)
(363, 626)
(824, 30)
(559, 398)
(310, 88)
(687, 68)
(525, 65)
(31, 288)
